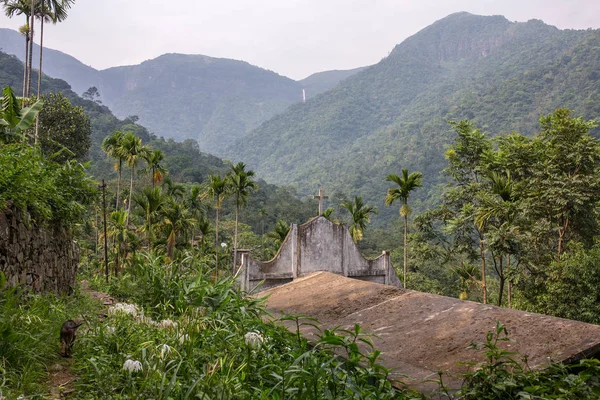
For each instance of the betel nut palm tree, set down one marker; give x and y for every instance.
(361, 216)
(21, 7)
(112, 145)
(217, 189)
(154, 167)
(50, 11)
(133, 152)
(406, 184)
(241, 185)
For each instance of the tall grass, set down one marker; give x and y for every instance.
(29, 337)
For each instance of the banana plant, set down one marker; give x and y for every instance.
(14, 120)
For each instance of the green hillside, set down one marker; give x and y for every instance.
(320, 82)
(394, 115)
(208, 99)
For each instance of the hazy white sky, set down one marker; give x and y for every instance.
(292, 37)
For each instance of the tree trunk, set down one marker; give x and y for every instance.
(483, 284)
(502, 280)
(508, 284)
(149, 232)
(31, 48)
(405, 249)
(217, 244)
(97, 236)
(117, 259)
(39, 88)
(130, 193)
(235, 237)
(119, 183)
(26, 59)
(561, 236)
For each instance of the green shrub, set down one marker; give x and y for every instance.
(49, 191)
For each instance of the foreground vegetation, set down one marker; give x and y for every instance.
(177, 334)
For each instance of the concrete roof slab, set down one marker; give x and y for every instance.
(421, 333)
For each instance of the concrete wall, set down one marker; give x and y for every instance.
(40, 258)
(318, 245)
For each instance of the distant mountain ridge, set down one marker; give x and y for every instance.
(393, 115)
(320, 82)
(223, 99)
(56, 63)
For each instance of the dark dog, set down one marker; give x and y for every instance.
(68, 333)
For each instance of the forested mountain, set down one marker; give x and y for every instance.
(184, 160)
(320, 82)
(56, 63)
(208, 99)
(211, 100)
(393, 115)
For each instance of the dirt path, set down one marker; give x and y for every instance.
(61, 379)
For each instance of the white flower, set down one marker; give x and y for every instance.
(184, 338)
(167, 323)
(223, 245)
(146, 320)
(124, 308)
(165, 350)
(132, 366)
(254, 340)
(109, 329)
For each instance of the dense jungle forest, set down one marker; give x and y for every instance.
(512, 221)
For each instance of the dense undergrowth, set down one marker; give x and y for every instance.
(178, 334)
(197, 338)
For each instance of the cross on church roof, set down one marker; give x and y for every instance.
(321, 197)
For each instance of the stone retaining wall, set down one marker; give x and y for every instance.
(40, 258)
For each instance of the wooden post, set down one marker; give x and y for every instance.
(103, 187)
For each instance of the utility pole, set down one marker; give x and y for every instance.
(103, 187)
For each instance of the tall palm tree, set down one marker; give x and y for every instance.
(154, 166)
(133, 151)
(177, 219)
(204, 229)
(361, 216)
(262, 214)
(173, 189)
(21, 7)
(406, 184)
(195, 205)
(119, 232)
(50, 11)
(241, 184)
(217, 189)
(112, 145)
(151, 201)
(499, 212)
(30, 61)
